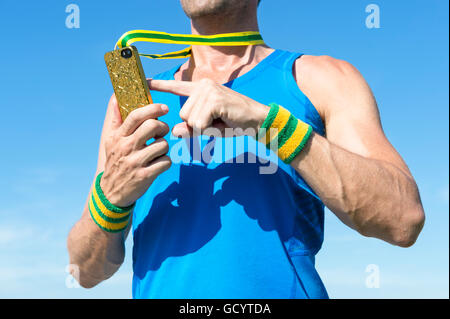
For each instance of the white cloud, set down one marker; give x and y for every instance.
(13, 274)
(11, 234)
(21, 236)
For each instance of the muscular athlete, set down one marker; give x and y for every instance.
(351, 166)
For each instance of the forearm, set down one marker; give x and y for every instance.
(374, 197)
(96, 253)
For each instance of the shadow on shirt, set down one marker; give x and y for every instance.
(186, 215)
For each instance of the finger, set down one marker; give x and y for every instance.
(158, 165)
(156, 149)
(116, 121)
(200, 117)
(182, 130)
(139, 115)
(184, 88)
(187, 108)
(194, 104)
(149, 129)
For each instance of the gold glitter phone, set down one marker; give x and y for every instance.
(128, 79)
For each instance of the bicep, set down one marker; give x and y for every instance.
(348, 108)
(353, 123)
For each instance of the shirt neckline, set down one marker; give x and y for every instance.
(247, 76)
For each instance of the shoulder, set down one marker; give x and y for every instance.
(324, 63)
(310, 70)
(326, 81)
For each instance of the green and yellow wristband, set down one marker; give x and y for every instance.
(107, 216)
(291, 134)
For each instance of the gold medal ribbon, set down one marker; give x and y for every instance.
(226, 39)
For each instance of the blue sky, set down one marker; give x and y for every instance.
(54, 89)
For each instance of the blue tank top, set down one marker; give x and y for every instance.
(228, 220)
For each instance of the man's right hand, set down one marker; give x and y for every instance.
(131, 165)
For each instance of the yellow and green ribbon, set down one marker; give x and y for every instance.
(226, 39)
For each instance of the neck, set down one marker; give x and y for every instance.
(223, 64)
(217, 57)
(243, 20)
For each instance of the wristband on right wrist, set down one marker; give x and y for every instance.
(289, 133)
(107, 216)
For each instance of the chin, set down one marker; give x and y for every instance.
(195, 9)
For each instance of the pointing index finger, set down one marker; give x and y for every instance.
(183, 88)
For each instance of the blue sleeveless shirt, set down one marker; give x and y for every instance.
(228, 219)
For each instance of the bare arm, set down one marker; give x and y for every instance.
(355, 170)
(97, 254)
(130, 166)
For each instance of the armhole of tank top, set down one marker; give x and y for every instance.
(298, 93)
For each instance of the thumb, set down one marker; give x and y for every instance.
(116, 118)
